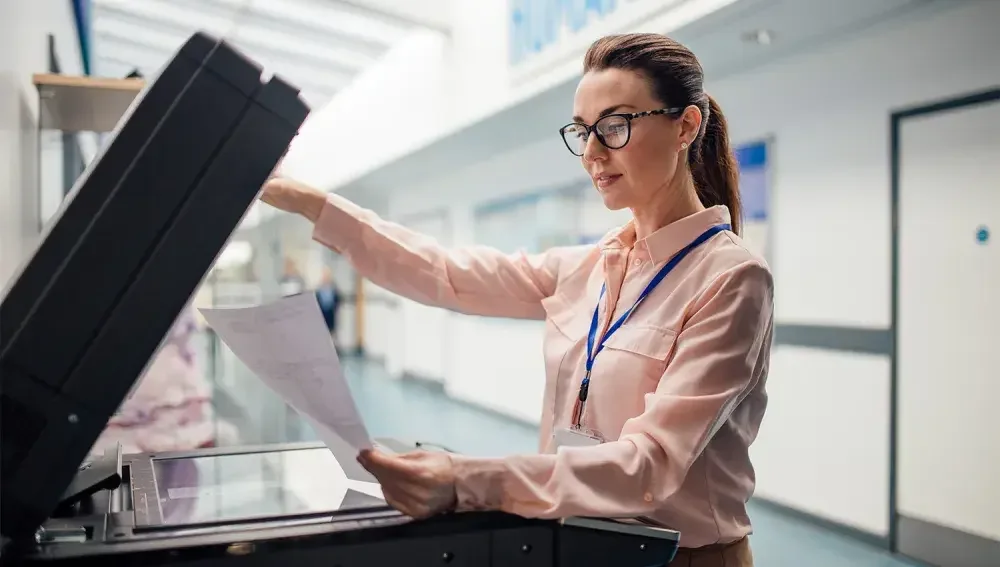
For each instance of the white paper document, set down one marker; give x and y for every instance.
(287, 345)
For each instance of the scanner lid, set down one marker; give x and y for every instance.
(140, 230)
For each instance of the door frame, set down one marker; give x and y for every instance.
(990, 95)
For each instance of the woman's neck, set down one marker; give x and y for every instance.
(674, 203)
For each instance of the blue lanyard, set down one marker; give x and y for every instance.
(666, 269)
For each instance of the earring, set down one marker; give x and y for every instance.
(684, 145)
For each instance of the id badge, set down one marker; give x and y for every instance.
(572, 437)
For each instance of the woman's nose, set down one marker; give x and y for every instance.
(593, 149)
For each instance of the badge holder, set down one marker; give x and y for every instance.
(576, 437)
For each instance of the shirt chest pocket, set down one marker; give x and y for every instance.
(637, 355)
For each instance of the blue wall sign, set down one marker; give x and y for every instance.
(754, 191)
(536, 24)
(982, 235)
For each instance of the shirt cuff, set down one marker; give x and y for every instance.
(339, 224)
(479, 483)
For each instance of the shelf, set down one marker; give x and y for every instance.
(84, 104)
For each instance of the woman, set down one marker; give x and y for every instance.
(651, 417)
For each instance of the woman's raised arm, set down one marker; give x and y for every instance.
(474, 280)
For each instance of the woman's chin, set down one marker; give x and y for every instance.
(613, 200)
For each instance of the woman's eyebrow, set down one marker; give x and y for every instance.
(606, 111)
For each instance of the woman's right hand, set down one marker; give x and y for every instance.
(293, 197)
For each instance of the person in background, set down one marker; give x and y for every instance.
(328, 297)
(657, 339)
(171, 407)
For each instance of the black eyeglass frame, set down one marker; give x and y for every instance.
(629, 117)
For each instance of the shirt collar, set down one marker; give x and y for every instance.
(669, 240)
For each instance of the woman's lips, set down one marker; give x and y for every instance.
(605, 181)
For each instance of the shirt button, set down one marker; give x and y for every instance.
(637, 262)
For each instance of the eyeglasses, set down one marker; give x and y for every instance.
(613, 130)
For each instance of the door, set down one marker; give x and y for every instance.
(948, 333)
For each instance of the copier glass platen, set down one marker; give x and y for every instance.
(87, 311)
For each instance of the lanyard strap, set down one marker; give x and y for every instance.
(666, 269)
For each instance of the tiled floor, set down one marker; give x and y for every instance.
(417, 412)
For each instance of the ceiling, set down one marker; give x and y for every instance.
(725, 41)
(718, 39)
(318, 45)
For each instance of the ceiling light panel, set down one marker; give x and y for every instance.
(320, 46)
(165, 41)
(156, 13)
(168, 27)
(291, 30)
(305, 49)
(324, 16)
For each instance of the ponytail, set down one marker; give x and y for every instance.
(713, 166)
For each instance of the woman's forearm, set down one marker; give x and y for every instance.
(476, 280)
(471, 280)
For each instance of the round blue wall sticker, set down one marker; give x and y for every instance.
(982, 235)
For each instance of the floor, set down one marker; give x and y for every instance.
(419, 412)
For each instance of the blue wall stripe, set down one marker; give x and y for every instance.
(82, 10)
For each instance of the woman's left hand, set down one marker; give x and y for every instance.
(419, 484)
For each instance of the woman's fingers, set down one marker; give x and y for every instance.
(409, 499)
(396, 502)
(406, 485)
(379, 463)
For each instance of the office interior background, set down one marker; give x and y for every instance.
(868, 137)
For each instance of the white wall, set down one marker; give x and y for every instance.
(828, 113)
(394, 106)
(824, 444)
(24, 47)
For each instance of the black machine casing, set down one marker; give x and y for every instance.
(140, 231)
(365, 536)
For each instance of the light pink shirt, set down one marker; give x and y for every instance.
(678, 390)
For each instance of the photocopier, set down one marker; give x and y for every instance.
(87, 311)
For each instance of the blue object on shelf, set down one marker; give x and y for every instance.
(82, 11)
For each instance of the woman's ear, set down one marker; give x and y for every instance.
(690, 124)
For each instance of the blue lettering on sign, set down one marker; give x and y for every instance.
(537, 24)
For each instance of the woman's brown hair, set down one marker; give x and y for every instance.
(677, 79)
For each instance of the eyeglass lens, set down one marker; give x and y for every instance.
(612, 131)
